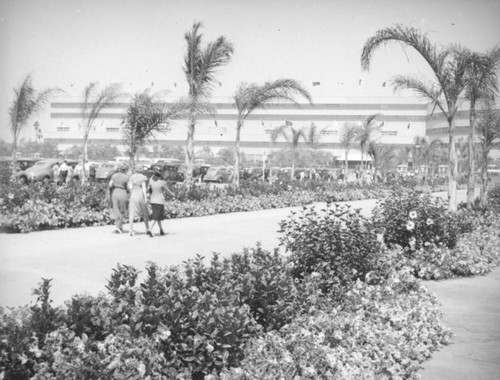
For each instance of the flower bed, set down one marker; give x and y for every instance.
(39, 206)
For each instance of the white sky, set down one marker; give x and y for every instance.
(68, 43)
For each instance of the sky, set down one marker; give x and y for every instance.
(68, 43)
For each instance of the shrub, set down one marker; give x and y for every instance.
(411, 219)
(338, 243)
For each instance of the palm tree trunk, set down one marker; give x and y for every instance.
(452, 167)
(14, 157)
(84, 157)
(236, 174)
(190, 148)
(346, 164)
(292, 175)
(471, 183)
(483, 196)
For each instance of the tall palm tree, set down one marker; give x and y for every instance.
(93, 104)
(293, 136)
(449, 68)
(424, 152)
(26, 104)
(366, 132)
(488, 131)
(349, 137)
(200, 67)
(251, 96)
(482, 83)
(145, 117)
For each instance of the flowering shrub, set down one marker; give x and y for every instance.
(381, 331)
(411, 219)
(337, 242)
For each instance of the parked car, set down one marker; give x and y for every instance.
(199, 172)
(104, 172)
(253, 173)
(219, 174)
(169, 172)
(42, 170)
(6, 166)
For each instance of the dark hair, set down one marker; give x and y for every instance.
(156, 174)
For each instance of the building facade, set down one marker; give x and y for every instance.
(400, 120)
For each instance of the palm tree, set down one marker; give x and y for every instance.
(293, 137)
(449, 68)
(482, 83)
(365, 134)
(488, 130)
(249, 97)
(383, 156)
(349, 137)
(424, 152)
(26, 104)
(200, 66)
(93, 104)
(145, 117)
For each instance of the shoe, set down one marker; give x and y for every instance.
(118, 231)
(131, 233)
(149, 233)
(162, 233)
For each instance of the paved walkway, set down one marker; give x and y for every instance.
(471, 309)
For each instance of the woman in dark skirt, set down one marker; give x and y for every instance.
(157, 188)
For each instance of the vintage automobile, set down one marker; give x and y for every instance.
(199, 172)
(6, 172)
(219, 174)
(104, 172)
(42, 170)
(169, 172)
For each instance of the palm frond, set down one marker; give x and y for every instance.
(249, 97)
(405, 36)
(427, 91)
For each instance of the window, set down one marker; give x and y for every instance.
(112, 129)
(62, 129)
(328, 132)
(389, 133)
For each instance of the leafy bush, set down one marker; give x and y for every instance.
(338, 243)
(412, 219)
(381, 331)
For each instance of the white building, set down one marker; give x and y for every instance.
(400, 120)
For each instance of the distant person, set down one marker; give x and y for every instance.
(157, 188)
(137, 207)
(69, 175)
(63, 172)
(119, 196)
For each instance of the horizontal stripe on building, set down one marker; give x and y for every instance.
(202, 143)
(259, 117)
(285, 106)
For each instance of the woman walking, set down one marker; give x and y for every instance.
(119, 196)
(158, 187)
(137, 204)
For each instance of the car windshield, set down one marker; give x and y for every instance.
(41, 163)
(212, 171)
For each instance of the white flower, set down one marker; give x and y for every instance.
(10, 196)
(210, 348)
(429, 221)
(380, 238)
(412, 242)
(410, 225)
(315, 275)
(141, 369)
(413, 214)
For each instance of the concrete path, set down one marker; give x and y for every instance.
(80, 260)
(471, 309)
